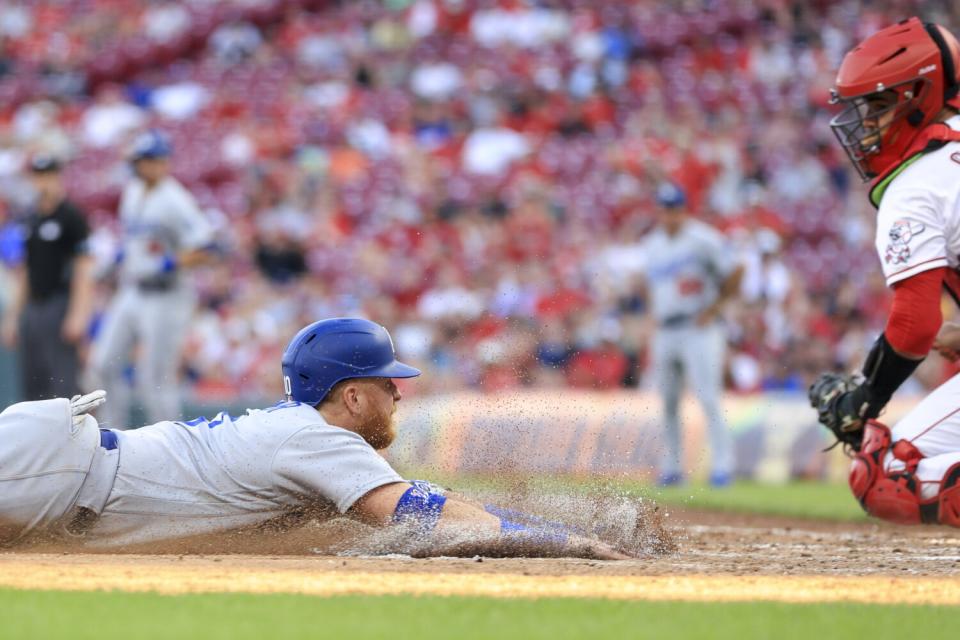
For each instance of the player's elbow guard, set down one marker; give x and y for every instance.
(420, 507)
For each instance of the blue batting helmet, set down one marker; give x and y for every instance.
(329, 351)
(151, 144)
(670, 196)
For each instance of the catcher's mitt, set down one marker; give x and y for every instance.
(834, 396)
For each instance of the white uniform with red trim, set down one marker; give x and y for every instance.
(918, 228)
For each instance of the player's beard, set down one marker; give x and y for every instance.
(380, 430)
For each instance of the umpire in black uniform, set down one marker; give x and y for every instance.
(50, 312)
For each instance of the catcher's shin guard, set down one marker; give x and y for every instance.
(894, 497)
(948, 498)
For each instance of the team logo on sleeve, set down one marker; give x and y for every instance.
(901, 233)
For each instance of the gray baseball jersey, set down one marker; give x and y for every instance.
(685, 271)
(205, 476)
(173, 479)
(164, 220)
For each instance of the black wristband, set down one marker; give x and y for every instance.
(885, 370)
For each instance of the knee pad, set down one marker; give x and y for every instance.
(867, 465)
(894, 497)
(876, 439)
(907, 452)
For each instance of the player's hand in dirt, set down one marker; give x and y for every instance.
(589, 547)
(947, 342)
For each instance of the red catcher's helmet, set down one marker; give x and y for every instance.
(894, 84)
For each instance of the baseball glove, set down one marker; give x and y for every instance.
(833, 396)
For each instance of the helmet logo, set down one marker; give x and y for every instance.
(928, 69)
(287, 388)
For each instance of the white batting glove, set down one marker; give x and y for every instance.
(82, 405)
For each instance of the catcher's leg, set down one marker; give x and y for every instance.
(939, 479)
(894, 481)
(882, 492)
(933, 425)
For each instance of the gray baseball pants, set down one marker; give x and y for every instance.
(156, 322)
(49, 365)
(696, 354)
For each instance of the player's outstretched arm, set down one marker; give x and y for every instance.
(947, 342)
(453, 526)
(395, 503)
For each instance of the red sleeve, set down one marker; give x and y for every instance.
(915, 316)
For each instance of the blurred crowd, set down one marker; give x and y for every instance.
(473, 174)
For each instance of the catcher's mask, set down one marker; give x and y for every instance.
(892, 85)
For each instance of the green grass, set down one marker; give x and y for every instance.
(123, 616)
(800, 499)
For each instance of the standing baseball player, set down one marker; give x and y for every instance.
(164, 235)
(901, 129)
(53, 300)
(318, 452)
(691, 274)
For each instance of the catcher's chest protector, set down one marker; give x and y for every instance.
(931, 138)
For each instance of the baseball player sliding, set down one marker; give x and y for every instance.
(164, 235)
(901, 128)
(60, 473)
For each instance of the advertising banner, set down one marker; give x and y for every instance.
(776, 437)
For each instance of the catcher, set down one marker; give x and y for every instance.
(317, 452)
(901, 129)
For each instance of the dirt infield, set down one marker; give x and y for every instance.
(719, 558)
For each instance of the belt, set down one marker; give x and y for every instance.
(108, 439)
(159, 286)
(677, 320)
